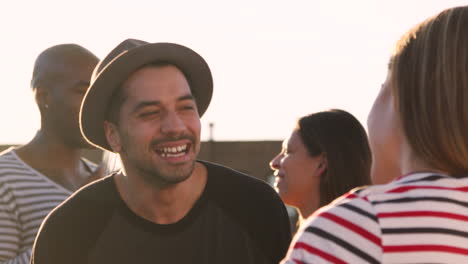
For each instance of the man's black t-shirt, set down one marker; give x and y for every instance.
(237, 219)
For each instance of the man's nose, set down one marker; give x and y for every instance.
(172, 124)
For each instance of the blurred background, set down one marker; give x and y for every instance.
(272, 61)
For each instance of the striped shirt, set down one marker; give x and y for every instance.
(26, 197)
(418, 218)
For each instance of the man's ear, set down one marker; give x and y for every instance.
(42, 97)
(113, 137)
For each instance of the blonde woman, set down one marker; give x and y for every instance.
(418, 126)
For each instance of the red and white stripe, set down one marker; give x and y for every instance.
(419, 218)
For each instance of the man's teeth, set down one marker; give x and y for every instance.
(173, 151)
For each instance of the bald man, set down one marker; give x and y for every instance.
(36, 177)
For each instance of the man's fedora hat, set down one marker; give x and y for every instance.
(122, 61)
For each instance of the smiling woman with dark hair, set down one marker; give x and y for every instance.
(326, 155)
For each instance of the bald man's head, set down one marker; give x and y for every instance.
(52, 61)
(61, 77)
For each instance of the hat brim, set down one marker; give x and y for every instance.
(95, 104)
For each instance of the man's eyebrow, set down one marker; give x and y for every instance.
(145, 104)
(186, 97)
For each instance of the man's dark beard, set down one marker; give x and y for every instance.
(151, 175)
(158, 180)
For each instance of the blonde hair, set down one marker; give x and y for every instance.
(430, 81)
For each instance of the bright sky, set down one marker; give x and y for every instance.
(272, 61)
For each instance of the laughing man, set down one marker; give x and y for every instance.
(165, 206)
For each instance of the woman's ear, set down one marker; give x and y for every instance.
(322, 165)
(112, 136)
